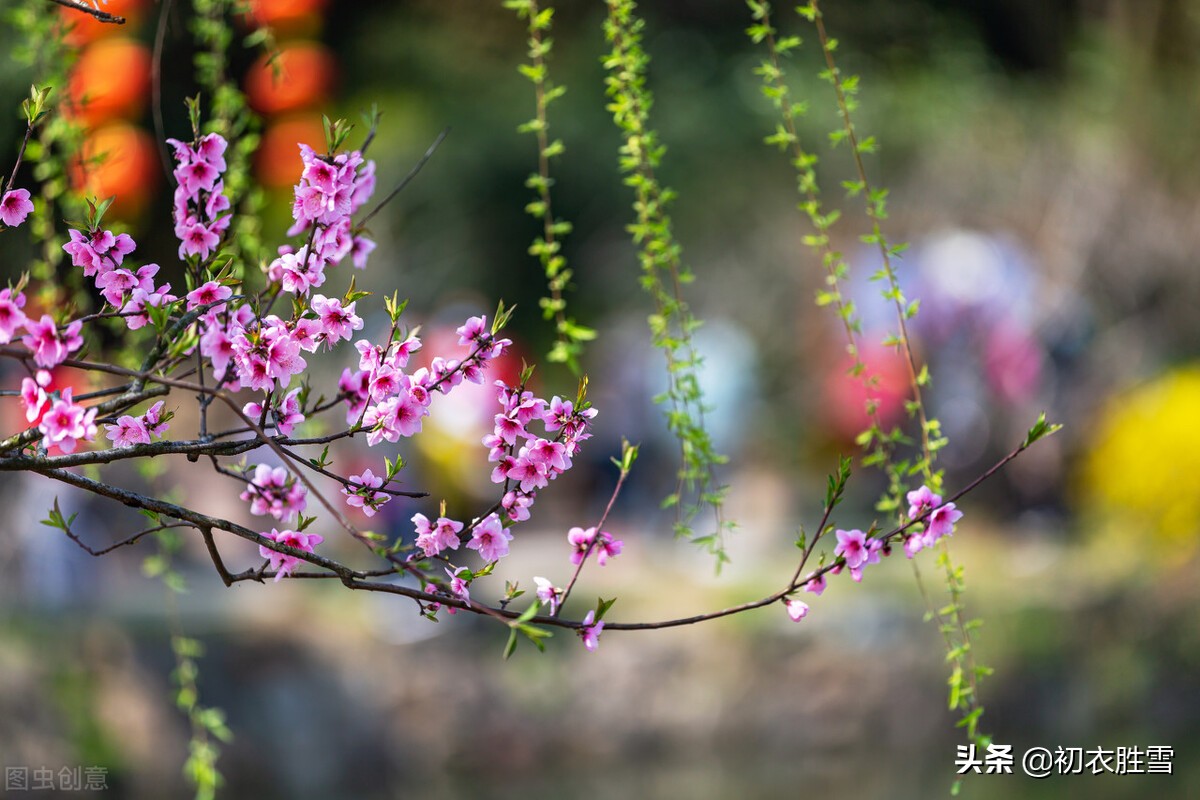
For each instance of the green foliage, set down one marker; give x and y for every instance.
(1040, 429)
(570, 335)
(881, 446)
(673, 324)
(208, 724)
(522, 625)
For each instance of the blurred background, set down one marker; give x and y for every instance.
(1043, 161)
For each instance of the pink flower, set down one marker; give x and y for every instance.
(33, 394)
(287, 413)
(360, 250)
(66, 423)
(460, 587)
(797, 610)
(127, 432)
(337, 322)
(548, 593)
(815, 584)
(282, 563)
(913, 544)
(114, 284)
(363, 497)
(516, 505)
(196, 176)
(49, 347)
(550, 454)
(852, 545)
(197, 240)
(473, 330)
(15, 207)
(153, 418)
(922, 500)
(490, 539)
(273, 491)
(211, 148)
(590, 633)
(558, 415)
(607, 547)
(581, 540)
(11, 315)
(531, 474)
(433, 539)
(207, 294)
(941, 523)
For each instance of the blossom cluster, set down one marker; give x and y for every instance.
(282, 563)
(64, 423)
(392, 403)
(330, 191)
(939, 523)
(67, 423)
(248, 347)
(101, 254)
(200, 195)
(858, 549)
(271, 490)
(525, 461)
(130, 430)
(49, 343)
(585, 541)
(361, 492)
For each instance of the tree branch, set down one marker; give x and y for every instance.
(100, 16)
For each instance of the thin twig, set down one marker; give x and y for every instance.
(160, 129)
(100, 16)
(412, 173)
(131, 540)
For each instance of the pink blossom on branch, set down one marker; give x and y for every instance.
(852, 546)
(33, 394)
(11, 315)
(15, 206)
(590, 632)
(273, 491)
(67, 423)
(797, 610)
(941, 523)
(921, 501)
(548, 593)
(363, 496)
(127, 432)
(282, 563)
(490, 538)
(433, 538)
(50, 347)
(815, 584)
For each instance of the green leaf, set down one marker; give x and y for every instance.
(1040, 429)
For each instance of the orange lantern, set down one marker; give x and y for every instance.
(277, 163)
(288, 16)
(111, 79)
(301, 76)
(119, 159)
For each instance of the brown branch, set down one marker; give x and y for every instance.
(412, 173)
(132, 539)
(357, 580)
